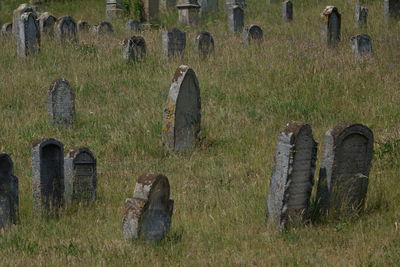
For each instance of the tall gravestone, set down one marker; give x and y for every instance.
(66, 29)
(182, 113)
(151, 10)
(80, 176)
(148, 214)
(361, 16)
(189, 13)
(46, 23)
(28, 39)
(391, 9)
(133, 26)
(361, 44)
(134, 48)
(235, 19)
(330, 26)
(253, 34)
(204, 44)
(343, 177)
(9, 200)
(6, 29)
(287, 11)
(173, 42)
(61, 103)
(114, 9)
(47, 177)
(23, 8)
(292, 176)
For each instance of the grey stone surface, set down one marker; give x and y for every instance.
(47, 177)
(46, 23)
(345, 168)
(235, 19)
(361, 44)
(151, 10)
(148, 214)
(61, 103)
(133, 26)
(189, 13)
(28, 39)
(253, 34)
(208, 7)
(6, 29)
(66, 30)
(167, 4)
(134, 48)
(173, 42)
(114, 9)
(204, 44)
(83, 26)
(103, 28)
(287, 11)
(292, 176)
(330, 26)
(9, 200)
(80, 176)
(23, 8)
(230, 3)
(391, 9)
(182, 113)
(361, 16)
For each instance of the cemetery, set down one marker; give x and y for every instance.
(199, 133)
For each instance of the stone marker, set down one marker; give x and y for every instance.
(343, 177)
(204, 44)
(9, 200)
(208, 7)
(46, 23)
(253, 34)
(330, 26)
(174, 42)
(6, 29)
(28, 39)
(235, 19)
(361, 44)
(148, 214)
(61, 103)
(23, 8)
(230, 3)
(47, 177)
(114, 9)
(167, 4)
(103, 28)
(134, 48)
(151, 10)
(287, 11)
(66, 29)
(80, 176)
(391, 9)
(182, 113)
(189, 13)
(133, 26)
(292, 176)
(361, 16)
(83, 26)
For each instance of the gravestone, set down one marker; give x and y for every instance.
(28, 39)
(174, 43)
(235, 19)
(361, 16)
(23, 8)
(9, 200)
(230, 3)
(46, 23)
(66, 29)
(330, 26)
(343, 176)
(80, 176)
(114, 9)
(189, 13)
(391, 9)
(47, 177)
(167, 4)
(133, 26)
(83, 26)
(148, 214)
(208, 7)
(151, 10)
(61, 103)
(182, 113)
(134, 48)
(361, 44)
(287, 11)
(292, 176)
(204, 44)
(6, 29)
(253, 34)
(103, 28)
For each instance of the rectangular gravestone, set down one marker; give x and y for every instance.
(28, 39)
(287, 11)
(9, 200)
(174, 43)
(61, 103)
(330, 26)
(361, 44)
(204, 44)
(66, 29)
(361, 16)
(235, 19)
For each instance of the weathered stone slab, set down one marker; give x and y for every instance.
(292, 176)
(134, 48)
(361, 16)
(391, 9)
(182, 113)
(6, 29)
(189, 13)
(61, 103)
(9, 200)
(343, 176)
(133, 26)
(148, 214)
(174, 43)
(80, 176)
(151, 10)
(361, 44)
(253, 34)
(114, 9)
(83, 26)
(66, 30)
(204, 44)
(235, 19)
(47, 177)
(287, 11)
(330, 26)
(23, 8)
(46, 23)
(28, 39)
(103, 28)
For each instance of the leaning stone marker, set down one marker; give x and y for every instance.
(235, 19)
(287, 11)
(47, 177)
(46, 23)
(173, 42)
(253, 34)
(182, 113)
(66, 29)
(28, 39)
(9, 200)
(330, 26)
(23, 8)
(292, 177)
(148, 214)
(343, 177)
(391, 9)
(134, 48)
(361, 16)
(61, 103)
(204, 44)
(361, 44)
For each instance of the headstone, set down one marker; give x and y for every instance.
(182, 113)
(361, 44)
(114, 9)
(28, 39)
(133, 26)
(6, 29)
(330, 26)
(292, 176)
(66, 29)
(208, 7)
(167, 4)
(230, 3)
(391, 9)
(134, 48)
(343, 177)
(253, 34)
(103, 28)
(204, 45)
(80, 176)
(148, 214)
(287, 11)
(174, 43)
(9, 199)
(47, 177)
(151, 10)
(23, 8)
(61, 103)
(46, 23)
(189, 13)
(361, 16)
(235, 19)
(83, 26)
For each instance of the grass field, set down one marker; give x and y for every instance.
(220, 189)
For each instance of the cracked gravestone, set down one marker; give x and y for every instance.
(28, 39)
(361, 44)
(174, 43)
(61, 103)
(330, 26)
(235, 19)
(253, 34)
(204, 44)
(287, 11)
(66, 29)
(9, 200)
(134, 48)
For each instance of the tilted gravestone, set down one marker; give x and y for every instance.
(80, 176)
(173, 42)
(23, 8)
(103, 28)
(361, 16)
(361, 44)
(235, 19)
(391, 9)
(61, 103)
(253, 34)
(343, 177)
(330, 26)
(46, 23)
(6, 29)
(9, 200)
(287, 11)
(148, 214)
(292, 176)
(28, 39)
(133, 26)
(114, 9)
(204, 44)
(134, 48)
(66, 29)
(189, 13)
(47, 177)
(150, 10)
(83, 26)
(182, 113)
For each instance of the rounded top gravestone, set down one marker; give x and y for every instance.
(46, 23)
(61, 103)
(66, 29)
(253, 33)
(204, 44)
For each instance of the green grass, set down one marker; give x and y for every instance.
(220, 189)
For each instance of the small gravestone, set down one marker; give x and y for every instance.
(204, 44)
(28, 39)
(292, 176)
(330, 26)
(391, 9)
(61, 103)
(174, 43)
(182, 113)
(361, 44)
(103, 28)
(253, 34)
(80, 176)
(23, 8)
(148, 214)
(134, 48)
(47, 177)
(83, 26)
(343, 177)
(189, 13)
(287, 11)
(46, 23)
(6, 29)
(133, 26)
(150, 10)
(208, 7)
(235, 19)
(9, 199)
(361, 16)
(114, 9)
(66, 29)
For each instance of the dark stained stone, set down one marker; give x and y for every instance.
(361, 44)
(66, 29)
(9, 200)
(134, 48)
(253, 34)
(174, 43)
(204, 44)
(330, 26)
